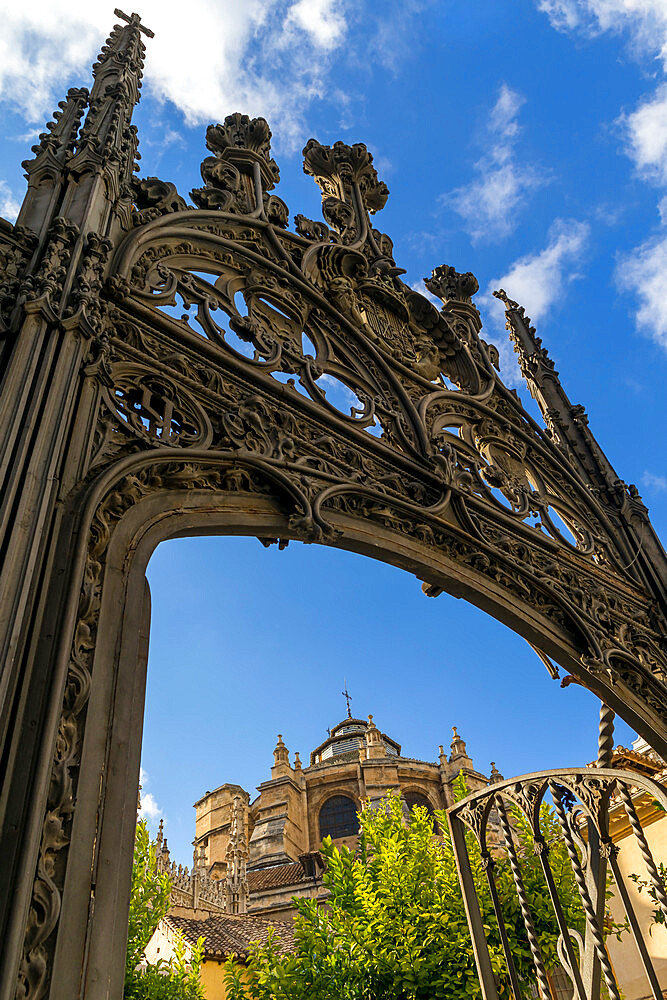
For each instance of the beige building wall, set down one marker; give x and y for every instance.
(213, 818)
(213, 978)
(161, 946)
(624, 955)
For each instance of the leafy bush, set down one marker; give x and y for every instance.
(175, 979)
(395, 926)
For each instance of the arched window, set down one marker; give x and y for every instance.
(412, 799)
(338, 817)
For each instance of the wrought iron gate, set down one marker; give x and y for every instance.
(584, 802)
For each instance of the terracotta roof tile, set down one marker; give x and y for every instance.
(276, 877)
(229, 934)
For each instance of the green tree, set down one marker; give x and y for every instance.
(395, 926)
(176, 979)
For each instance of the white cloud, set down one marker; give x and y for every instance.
(657, 484)
(392, 31)
(234, 57)
(645, 24)
(149, 810)
(320, 19)
(505, 111)
(30, 137)
(644, 20)
(644, 272)
(563, 14)
(9, 205)
(646, 131)
(490, 203)
(537, 280)
(419, 286)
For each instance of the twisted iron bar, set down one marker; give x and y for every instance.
(634, 923)
(589, 909)
(531, 933)
(640, 837)
(488, 864)
(606, 736)
(566, 952)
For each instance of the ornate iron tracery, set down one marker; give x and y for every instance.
(154, 352)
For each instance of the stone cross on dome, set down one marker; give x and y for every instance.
(348, 698)
(134, 20)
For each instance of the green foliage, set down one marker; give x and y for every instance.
(641, 883)
(149, 897)
(176, 979)
(395, 926)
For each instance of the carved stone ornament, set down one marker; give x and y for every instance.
(169, 363)
(449, 285)
(241, 172)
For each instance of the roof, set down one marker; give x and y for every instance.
(276, 877)
(228, 934)
(309, 866)
(635, 760)
(227, 785)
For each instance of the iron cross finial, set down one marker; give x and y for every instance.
(348, 698)
(135, 21)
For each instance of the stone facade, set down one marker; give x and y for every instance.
(297, 806)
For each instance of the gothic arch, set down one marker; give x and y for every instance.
(123, 424)
(465, 469)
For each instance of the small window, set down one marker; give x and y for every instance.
(338, 817)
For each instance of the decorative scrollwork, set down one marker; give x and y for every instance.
(337, 168)
(16, 249)
(241, 172)
(156, 409)
(154, 198)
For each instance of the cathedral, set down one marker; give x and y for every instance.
(253, 855)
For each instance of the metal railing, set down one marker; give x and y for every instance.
(582, 800)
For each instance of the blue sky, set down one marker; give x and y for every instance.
(525, 141)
